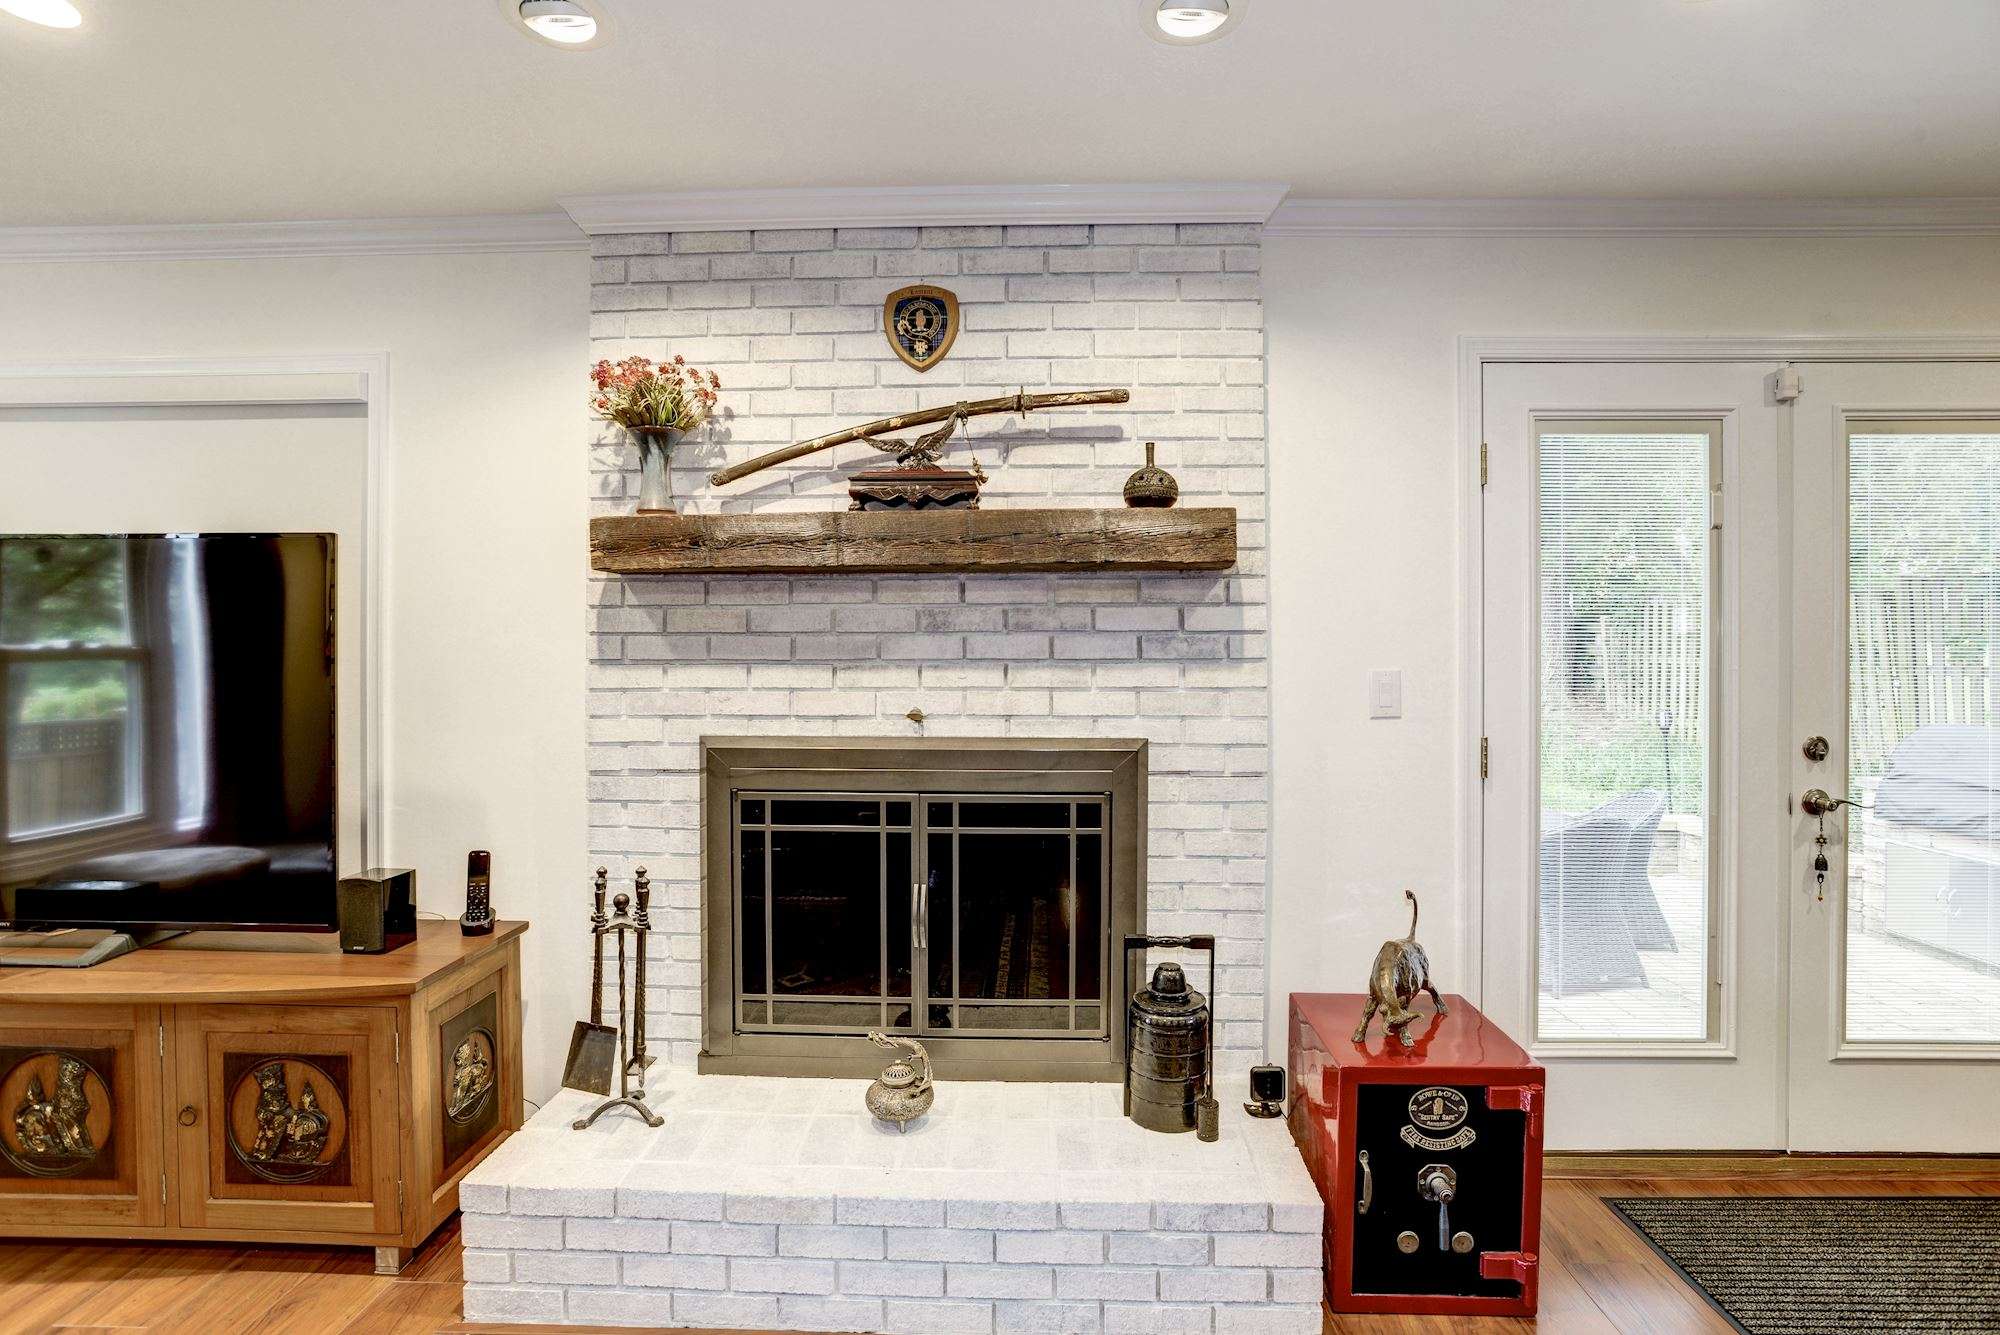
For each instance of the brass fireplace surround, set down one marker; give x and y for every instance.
(1092, 769)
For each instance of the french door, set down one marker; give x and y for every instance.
(1895, 1016)
(1688, 577)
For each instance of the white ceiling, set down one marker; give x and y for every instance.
(211, 110)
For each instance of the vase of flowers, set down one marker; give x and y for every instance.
(658, 403)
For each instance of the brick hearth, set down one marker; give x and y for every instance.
(768, 1202)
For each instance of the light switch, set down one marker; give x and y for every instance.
(1385, 694)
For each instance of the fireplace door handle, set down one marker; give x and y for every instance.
(920, 912)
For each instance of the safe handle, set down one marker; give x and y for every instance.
(1367, 1185)
(187, 1115)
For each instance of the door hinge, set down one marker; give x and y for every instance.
(398, 1036)
(1715, 509)
(1482, 463)
(399, 1198)
(163, 1188)
(1483, 754)
(162, 1034)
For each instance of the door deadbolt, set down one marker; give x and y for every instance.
(1815, 749)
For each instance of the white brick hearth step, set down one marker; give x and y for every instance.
(780, 1204)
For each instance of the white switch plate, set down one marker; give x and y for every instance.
(1385, 694)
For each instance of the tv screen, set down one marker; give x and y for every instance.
(168, 706)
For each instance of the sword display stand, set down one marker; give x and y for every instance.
(638, 925)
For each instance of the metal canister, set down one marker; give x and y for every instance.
(1166, 1052)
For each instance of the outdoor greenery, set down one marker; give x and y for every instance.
(1624, 534)
(1624, 574)
(1588, 760)
(64, 591)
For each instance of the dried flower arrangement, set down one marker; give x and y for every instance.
(638, 393)
(656, 402)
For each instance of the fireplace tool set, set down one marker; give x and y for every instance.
(595, 1046)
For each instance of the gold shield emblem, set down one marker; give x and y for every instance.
(921, 322)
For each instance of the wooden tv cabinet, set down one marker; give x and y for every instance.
(258, 1087)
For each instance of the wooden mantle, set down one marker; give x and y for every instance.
(926, 542)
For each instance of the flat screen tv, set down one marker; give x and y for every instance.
(168, 715)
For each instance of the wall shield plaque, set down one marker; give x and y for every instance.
(922, 323)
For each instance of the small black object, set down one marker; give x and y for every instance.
(378, 910)
(478, 919)
(1267, 1092)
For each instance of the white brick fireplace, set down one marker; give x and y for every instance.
(791, 320)
(769, 1201)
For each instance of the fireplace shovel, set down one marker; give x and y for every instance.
(593, 1045)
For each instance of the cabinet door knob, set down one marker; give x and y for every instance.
(187, 1115)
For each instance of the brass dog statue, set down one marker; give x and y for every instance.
(1401, 971)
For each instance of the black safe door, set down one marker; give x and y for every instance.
(1405, 1130)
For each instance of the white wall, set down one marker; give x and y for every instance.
(486, 510)
(484, 529)
(1366, 525)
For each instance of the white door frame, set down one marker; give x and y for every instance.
(293, 379)
(1475, 352)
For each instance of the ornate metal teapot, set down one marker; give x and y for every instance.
(903, 1092)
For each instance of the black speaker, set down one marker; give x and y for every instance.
(378, 910)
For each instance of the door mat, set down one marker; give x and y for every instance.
(1832, 1265)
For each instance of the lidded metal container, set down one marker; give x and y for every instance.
(1166, 1052)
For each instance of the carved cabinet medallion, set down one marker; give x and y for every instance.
(287, 1119)
(56, 1113)
(468, 1078)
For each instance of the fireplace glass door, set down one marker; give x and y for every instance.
(922, 913)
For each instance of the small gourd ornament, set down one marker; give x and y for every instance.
(1151, 487)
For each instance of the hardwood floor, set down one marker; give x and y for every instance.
(1597, 1276)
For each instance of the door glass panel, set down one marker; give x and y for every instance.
(1014, 928)
(1006, 937)
(826, 912)
(1923, 850)
(1626, 575)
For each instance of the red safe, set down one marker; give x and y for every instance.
(1429, 1158)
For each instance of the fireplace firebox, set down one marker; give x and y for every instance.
(965, 892)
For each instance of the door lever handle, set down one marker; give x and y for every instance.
(1819, 802)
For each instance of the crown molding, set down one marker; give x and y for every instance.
(922, 206)
(284, 240)
(957, 206)
(1635, 217)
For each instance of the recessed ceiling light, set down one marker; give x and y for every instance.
(48, 13)
(562, 21)
(1185, 22)
(573, 25)
(1191, 18)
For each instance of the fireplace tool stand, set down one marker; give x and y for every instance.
(623, 922)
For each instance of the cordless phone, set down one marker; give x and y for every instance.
(478, 919)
